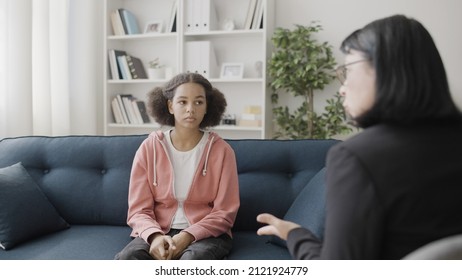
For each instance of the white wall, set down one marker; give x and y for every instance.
(339, 18)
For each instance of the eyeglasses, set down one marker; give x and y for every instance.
(342, 70)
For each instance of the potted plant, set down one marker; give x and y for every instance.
(155, 69)
(299, 65)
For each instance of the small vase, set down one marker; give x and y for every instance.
(156, 73)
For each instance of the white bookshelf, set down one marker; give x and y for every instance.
(235, 46)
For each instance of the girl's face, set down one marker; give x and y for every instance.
(189, 105)
(358, 87)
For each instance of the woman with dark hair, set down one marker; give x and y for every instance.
(183, 193)
(395, 186)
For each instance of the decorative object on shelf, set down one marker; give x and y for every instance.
(251, 116)
(169, 72)
(156, 70)
(229, 119)
(232, 71)
(227, 24)
(154, 26)
(259, 68)
(300, 65)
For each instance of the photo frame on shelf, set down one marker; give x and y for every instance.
(154, 26)
(233, 70)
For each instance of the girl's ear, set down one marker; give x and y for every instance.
(169, 104)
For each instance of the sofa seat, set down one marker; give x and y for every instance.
(79, 242)
(248, 243)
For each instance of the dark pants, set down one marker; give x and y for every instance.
(212, 248)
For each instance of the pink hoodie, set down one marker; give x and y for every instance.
(213, 199)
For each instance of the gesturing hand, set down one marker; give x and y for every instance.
(275, 226)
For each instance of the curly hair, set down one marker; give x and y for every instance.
(159, 96)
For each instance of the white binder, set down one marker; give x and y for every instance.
(200, 58)
(208, 16)
(200, 16)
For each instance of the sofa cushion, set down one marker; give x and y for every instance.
(308, 209)
(25, 211)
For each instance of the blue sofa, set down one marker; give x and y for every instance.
(74, 204)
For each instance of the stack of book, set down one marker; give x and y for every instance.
(254, 19)
(251, 116)
(124, 22)
(126, 109)
(125, 67)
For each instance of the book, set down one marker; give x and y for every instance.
(250, 14)
(117, 25)
(250, 123)
(136, 111)
(116, 111)
(143, 111)
(260, 16)
(256, 16)
(114, 64)
(136, 67)
(122, 109)
(173, 18)
(127, 103)
(129, 21)
(123, 66)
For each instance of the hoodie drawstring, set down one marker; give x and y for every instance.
(204, 171)
(155, 168)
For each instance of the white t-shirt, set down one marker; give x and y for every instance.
(185, 165)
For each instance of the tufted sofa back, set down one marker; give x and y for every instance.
(272, 173)
(86, 177)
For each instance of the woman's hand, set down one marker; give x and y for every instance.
(276, 226)
(162, 247)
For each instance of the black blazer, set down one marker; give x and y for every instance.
(389, 191)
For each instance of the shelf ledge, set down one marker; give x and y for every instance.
(156, 126)
(142, 36)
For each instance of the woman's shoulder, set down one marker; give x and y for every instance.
(386, 137)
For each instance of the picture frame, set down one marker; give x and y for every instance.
(233, 70)
(154, 26)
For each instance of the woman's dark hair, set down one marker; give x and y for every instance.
(411, 82)
(159, 96)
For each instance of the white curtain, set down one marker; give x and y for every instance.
(49, 72)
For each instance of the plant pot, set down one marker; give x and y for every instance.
(156, 73)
